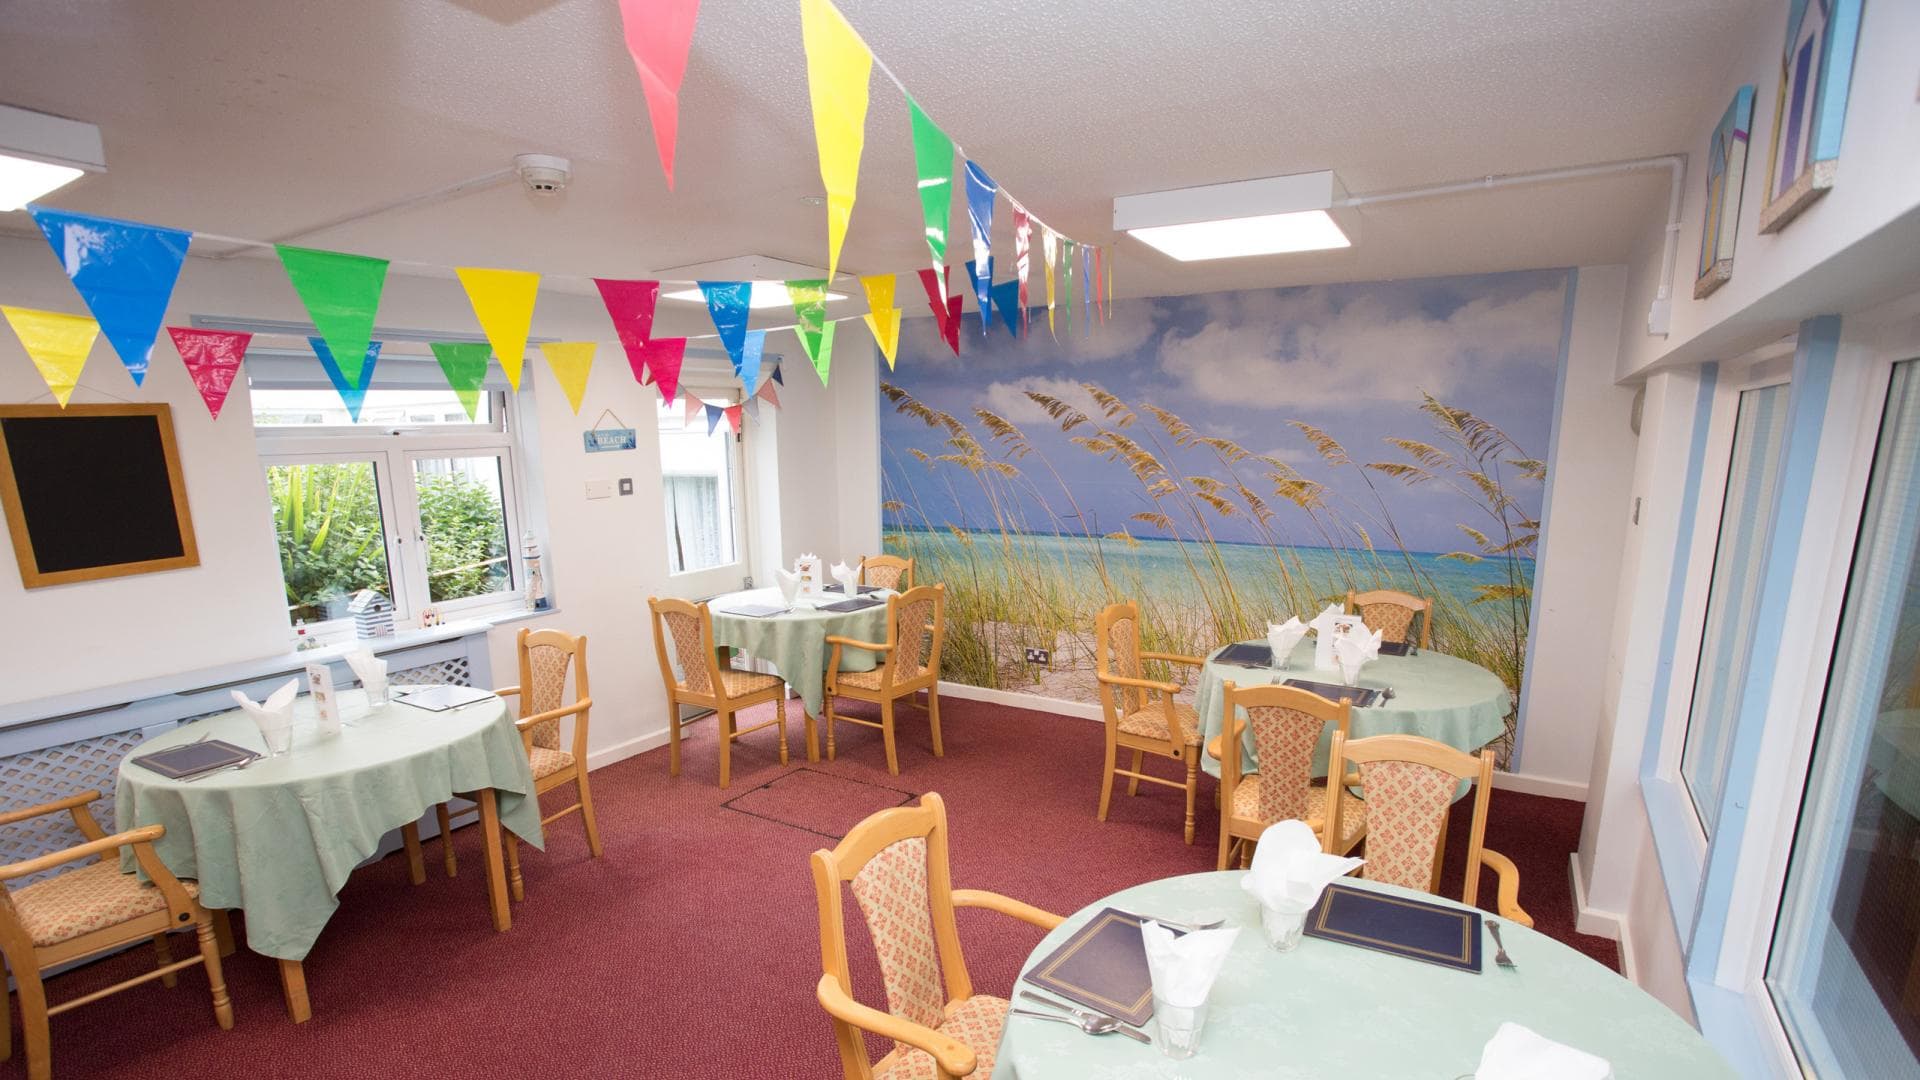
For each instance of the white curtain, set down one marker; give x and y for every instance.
(693, 522)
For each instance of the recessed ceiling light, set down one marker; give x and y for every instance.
(22, 181)
(39, 153)
(1270, 216)
(766, 294)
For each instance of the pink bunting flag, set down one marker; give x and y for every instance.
(213, 359)
(1022, 260)
(659, 36)
(766, 393)
(630, 305)
(946, 309)
(694, 408)
(661, 357)
(733, 418)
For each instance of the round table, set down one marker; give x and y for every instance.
(1328, 1009)
(795, 642)
(1435, 695)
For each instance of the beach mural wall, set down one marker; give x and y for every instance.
(1225, 460)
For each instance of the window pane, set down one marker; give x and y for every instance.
(390, 408)
(463, 519)
(332, 543)
(1757, 434)
(697, 476)
(1845, 966)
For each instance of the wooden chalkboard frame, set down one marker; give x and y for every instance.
(30, 573)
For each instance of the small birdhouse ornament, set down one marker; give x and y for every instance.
(372, 614)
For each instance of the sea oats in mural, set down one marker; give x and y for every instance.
(1377, 439)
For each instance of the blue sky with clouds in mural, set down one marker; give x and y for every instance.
(1351, 359)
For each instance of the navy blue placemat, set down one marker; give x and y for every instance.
(1103, 966)
(1436, 933)
(1361, 696)
(857, 604)
(1246, 654)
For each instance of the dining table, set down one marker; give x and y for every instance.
(278, 838)
(793, 636)
(1434, 695)
(1331, 1009)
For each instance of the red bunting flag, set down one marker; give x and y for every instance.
(630, 304)
(659, 36)
(662, 358)
(213, 359)
(733, 418)
(946, 309)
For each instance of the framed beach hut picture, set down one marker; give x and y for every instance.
(1810, 108)
(1726, 174)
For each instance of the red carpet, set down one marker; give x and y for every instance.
(691, 950)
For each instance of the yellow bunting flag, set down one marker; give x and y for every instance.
(57, 343)
(882, 317)
(503, 302)
(1049, 251)
(570, 361)
(838, 68)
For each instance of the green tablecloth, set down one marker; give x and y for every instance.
(796, 643)
(1435, 695)
(1333, 1010)
(279, 838)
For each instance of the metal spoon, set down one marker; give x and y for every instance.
(1092, 1025)
(1500, 956)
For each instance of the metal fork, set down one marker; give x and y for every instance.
(1092, 1025)
(1500, 956)
(1090, 1021)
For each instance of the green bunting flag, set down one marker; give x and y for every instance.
(465, 365)
(933, 161)
(341, 293)
(813, 329)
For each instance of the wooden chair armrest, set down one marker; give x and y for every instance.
(537, 719)
(1006, 905)
(851, 643)
(952, 1055)
(146, 834)
(507, 691)
(1507, 900)
(1144, 684)
(1173, 658)
(1353, 779)
(71, 802)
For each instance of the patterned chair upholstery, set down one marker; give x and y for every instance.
(1286, 724)
(895, 864)
(1392, 613)
(1410, 784)
(1141, 714)
(887, 572)
(909, 664)
(695, 673)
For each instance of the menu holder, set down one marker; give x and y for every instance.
(1397, 648)
(755, 611)
(860, 603)
(195, 759)
(1102, 966)
(1418, 930)
(1361, 696)
(1246, 654)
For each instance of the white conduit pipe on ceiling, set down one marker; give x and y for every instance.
(1676, 164)
(449, 191)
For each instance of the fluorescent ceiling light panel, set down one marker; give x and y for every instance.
(39, 153)
(1270, 216)
(766, 294)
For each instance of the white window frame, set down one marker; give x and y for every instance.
(393, 450)
(711, 386)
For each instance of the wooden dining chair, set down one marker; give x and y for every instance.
(706, 681)
(94, 909)
(1287, 723)
(887, 572)
(1141, 713)
(545, 658)
(1392, 612)
(1409, 783)
(895, 863)
(909, 663)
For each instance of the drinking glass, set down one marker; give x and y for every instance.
(1284, 922)
(1180, 1027)
(376, 692)
(279, 738)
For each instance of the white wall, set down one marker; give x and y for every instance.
(604, 557)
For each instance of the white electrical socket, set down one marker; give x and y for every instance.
(599, 489)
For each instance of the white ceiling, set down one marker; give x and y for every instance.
(258, 119)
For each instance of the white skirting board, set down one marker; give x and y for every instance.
(1606, 924)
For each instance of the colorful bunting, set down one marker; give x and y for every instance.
(733, 418)
(213, 360)
(822, 353)
(57, 343)
(756, 347)
(352, 391)
(766, 391)
(752, 405)
(125, 272)
(882, 318)
(1006, 298)
(630, 305)
(810, 317)
(933, 165)
(980, 192)
(1022, 254)
(714, 415)
(1066, 279)
(662, 357)
(1109, 284)
(341, 293)
(1087, 288)
(839, 67)
(776, 375)
(727, 304)
(659, 35)
(503, 302)
(464, 363)
(1049, 253)
(1099, 275)
(946, 309)
(694, 408)
(570, 361)
(982, 290)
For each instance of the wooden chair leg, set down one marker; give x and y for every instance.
(886, 731)
(1133, 782)
(673, 737)
(933, 721)
(33, 1026)
(223, 931)
(1106, 777)
(293, 987)
(780, 710)
(446, 840)
(165, 957)
(416, 861)
(725, 718)
(586, 812)
(516, 887)
(830, 743)
(216, 979)
(1226, 847)
(1193, 786)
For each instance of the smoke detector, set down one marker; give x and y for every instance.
(544, 174)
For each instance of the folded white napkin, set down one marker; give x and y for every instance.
(1290, 869)
(1351, 652)
(848, 577)
(274, 714)
(789, 584)
(1184, 967)
(1519, 1053)
(1282, 637)
(369, 669)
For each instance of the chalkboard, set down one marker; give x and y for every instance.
(93, 491)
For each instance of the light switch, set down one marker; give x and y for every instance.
(599, 489)
(626, 485)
